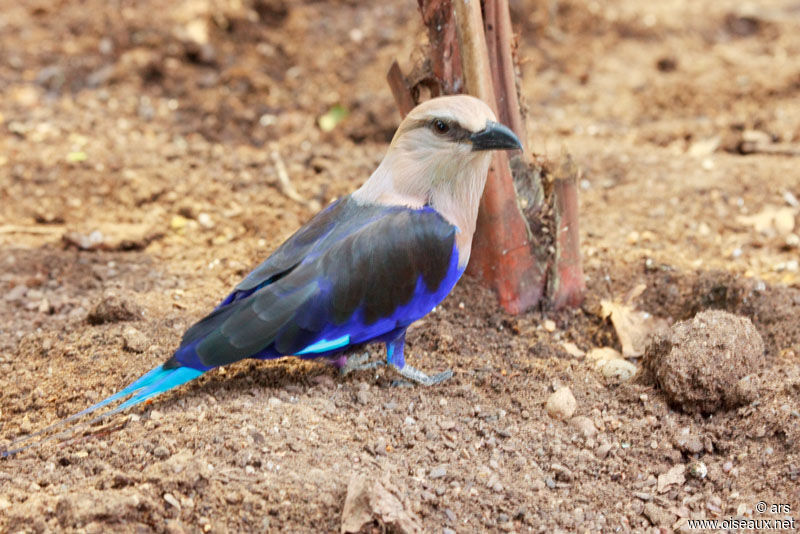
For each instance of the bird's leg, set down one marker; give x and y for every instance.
(357, 362)
(395, 357)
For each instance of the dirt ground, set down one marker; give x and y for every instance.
(152, 134)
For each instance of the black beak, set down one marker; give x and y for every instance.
(495, 137)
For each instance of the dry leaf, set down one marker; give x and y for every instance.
(634, 328)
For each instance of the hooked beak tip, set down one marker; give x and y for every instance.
(495, 136)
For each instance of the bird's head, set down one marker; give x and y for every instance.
(440, 157)
(449, 126)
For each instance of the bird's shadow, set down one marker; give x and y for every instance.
(289, 373)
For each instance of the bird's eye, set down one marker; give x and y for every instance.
(440, 126)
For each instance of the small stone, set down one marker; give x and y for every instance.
(25, 426)
(16, 293)
(602, 451)
(641, 495)
(616, 368)
(584, 425)
(362, 396)
(438, 472)
(205, 220)
(133, 340)
(674, 476)
(727, 466)
(274, 402)
(172, 500)
(380, 447)
(687, 442)
(573, 350)
(45, 307)
(409, 421)
(697, 470)
(451, 516)
(561, 404)
(562, 473)
(657, 515)
(173, 526)
(161, 452)
(550, 325)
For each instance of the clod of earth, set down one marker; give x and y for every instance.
(699, 364)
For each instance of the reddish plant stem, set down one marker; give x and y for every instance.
(567, 284)
(400, 90)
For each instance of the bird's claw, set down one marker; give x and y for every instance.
(418, 377)
(358, 362)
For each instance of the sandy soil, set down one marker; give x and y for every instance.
(160, 127)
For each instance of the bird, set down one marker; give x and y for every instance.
(362, 270)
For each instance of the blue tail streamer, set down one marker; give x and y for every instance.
(152, 383)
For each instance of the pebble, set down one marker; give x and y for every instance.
(550, 325)
(173, 526)
(687, 442)
(561, 404)
(698, 470)
(133, 340)
(161, 452)
(727, 466)
(602, 451)
(674, 476)
(641, 495)
(617, 368)
(657, 515)
(409, 421)
(562, 473)
(172, 500)
(274, 402)
(16, 293)
(205, 220)
(438, 472)
(584, 425)
(26, 427)
(362, 396)
(451, 516)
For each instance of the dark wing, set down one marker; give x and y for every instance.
(339, 219)
(389, 271)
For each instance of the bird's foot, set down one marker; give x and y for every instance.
(358, 362)
(416, 376)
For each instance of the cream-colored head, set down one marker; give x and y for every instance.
(440, 156)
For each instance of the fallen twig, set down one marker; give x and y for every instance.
(284, 182)
(19, 229)
(773, 149)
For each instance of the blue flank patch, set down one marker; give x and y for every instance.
(324, 345)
